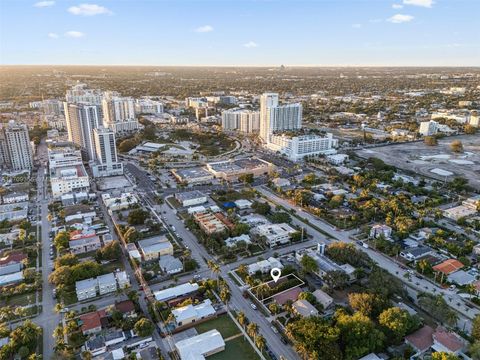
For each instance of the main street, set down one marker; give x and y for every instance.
(48, 319)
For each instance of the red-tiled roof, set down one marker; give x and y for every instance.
(421, 339)
(90, 321)
(448, 266)
(13, 257)
(125, 306)
(448, 339)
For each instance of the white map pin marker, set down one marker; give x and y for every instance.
(275, 273)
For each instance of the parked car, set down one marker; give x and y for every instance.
(253, 306)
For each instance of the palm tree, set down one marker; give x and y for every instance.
(252, 330)
(241, 318)
(242, 270)
(225, 295)
(260, 342)
(262, 289)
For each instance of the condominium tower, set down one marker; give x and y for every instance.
(278, 118)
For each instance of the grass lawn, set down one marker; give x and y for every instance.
(238, 349)
(20, 300)
(223, 324)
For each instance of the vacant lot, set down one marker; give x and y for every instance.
(421, 159)
(223, 324)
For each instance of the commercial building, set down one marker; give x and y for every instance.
(81, 119)
(275, 234)
(16, 148)
(192, 313)
(209, 223)
(196, 175)
(176, 291)
(68, 179)
(148, 106)
(106, 160)
(153, 248)
(264, 266)
(60, 156)
(242, 120)
(191, 198)
(428, 128)
(119, 113)
(278, 118)
(297, 148)
(121, 202)
(201, 346)
(230, 170)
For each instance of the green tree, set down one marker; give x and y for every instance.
(246, 178)
(469, 129)
(358, 334)
(143, 327)
(476, 328)
(430, 140)
(315, 338)
(367, 304)
(397, 321)
(336, 279)
(137, 217)
(110, 251)
(309, 265)
(456, 146)
(261, 208)
(444, 356)
(61, 240)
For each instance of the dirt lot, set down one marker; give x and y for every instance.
(421, 159)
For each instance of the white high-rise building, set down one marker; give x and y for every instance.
(81, 119)
(474, 119)
(17, 152)
(246, 121)
(81, 94)
(428, 128)
(106, 153)
(298, 147)
(277, 118)
(148, 106)
(119, 113)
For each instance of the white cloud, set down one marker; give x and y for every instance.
(250, 44)
(422, 3)
(397, 6)
(74, 34)
(42, 4)
(204, 29)
(89, 10)
(53, 35)
(357, 26)
(400, 18)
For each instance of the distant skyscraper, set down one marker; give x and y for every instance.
(17, 150)
(119, 113)
(275, 117)
(106, 153)
(80, 94)
(81, 119)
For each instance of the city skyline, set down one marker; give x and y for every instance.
(245, 33)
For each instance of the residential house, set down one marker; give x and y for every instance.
(82, 242)
(153, 248)
(304, 308)
(176, 291)
(170, 265)
(323, 298)
(107, 283)
(86, 289)
(90, 323)
(421, 340)
(416, 253)
(381, 230)
(126, 307)
(200, 346)
(122, 279)
(96, 345)
(192, 313)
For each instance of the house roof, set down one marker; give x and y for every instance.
(421, 339)
(323, 298)
(304, 308)
(176, 291)
(90, 321)
(448, 339)
(13, 257)
(291, 294)
(125, 306)
(201, 344)
(448, 266)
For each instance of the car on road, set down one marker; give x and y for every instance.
(253, 306)
(274, 329)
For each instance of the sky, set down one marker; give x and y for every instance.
(241, 32)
